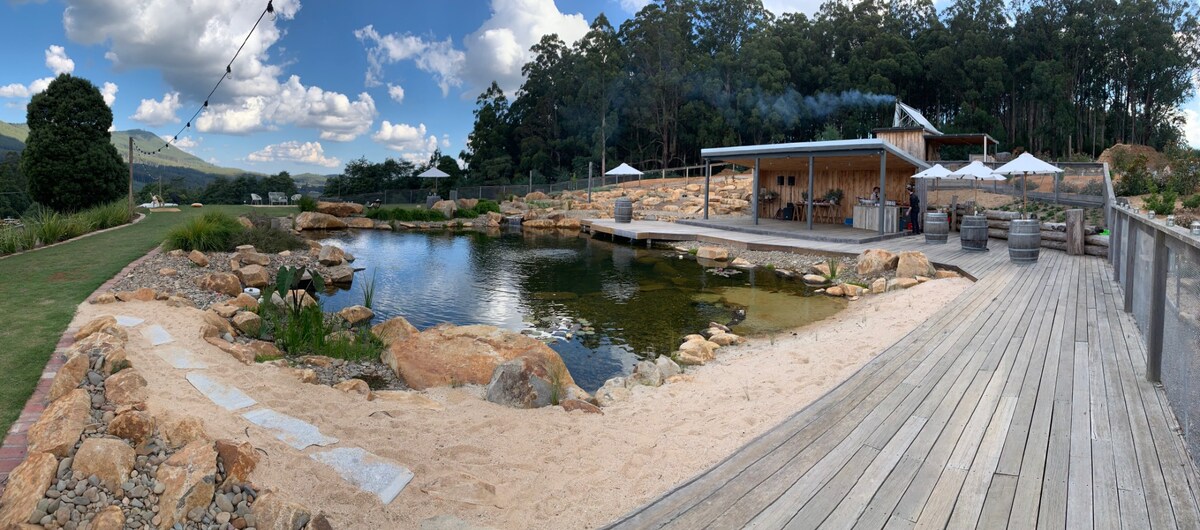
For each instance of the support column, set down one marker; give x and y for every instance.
(707, 180)
(883, 193)
(1132, 233)
(754, 192)
(1158, 306)
(808, 204)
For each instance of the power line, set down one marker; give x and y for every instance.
(228, 72)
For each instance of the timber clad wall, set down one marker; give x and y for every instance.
(910, 140)
(853, 183)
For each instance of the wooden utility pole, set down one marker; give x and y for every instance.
(131, 177)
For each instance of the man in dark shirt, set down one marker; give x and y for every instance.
(914, 210)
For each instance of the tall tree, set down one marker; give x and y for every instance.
(488, 152)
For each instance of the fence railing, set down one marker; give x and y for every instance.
(1082, 184)
(1158, 267)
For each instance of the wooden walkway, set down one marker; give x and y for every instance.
(1022, 404)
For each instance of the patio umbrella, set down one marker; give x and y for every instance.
(936, 173)
(623, 170)
(976, 171)
(1026, 165)
(433, 173)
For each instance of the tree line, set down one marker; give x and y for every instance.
(1062, 78)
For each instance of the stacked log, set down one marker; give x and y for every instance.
(1054, 235)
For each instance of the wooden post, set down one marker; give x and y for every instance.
(883, 194)
(707, 182)
(1075, 239)
(754, 192)
(1158, 305)
(589, 182)
(808, 204)
(1132, 233)
(131, 177)
(954, 211)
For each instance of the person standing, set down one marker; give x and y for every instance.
(914, 210)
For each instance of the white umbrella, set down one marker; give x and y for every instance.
(623, 170)
(1026, 165)
(976, 170)
(433, 173)
(935, 173)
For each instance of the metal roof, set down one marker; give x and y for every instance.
(960, 139)
(863, 147)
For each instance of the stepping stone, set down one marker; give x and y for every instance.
(292, 431)
(128, 321)
(369, 472)
(226, 396)
(157, 335)
(181, 358)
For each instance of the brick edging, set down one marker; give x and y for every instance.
(14, 447)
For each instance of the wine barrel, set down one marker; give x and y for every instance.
(973, 233)
(1024, 240)
(937, 227)
(623, 210)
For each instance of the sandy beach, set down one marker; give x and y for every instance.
(491, 466)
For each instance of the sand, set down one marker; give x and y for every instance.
(492, 466)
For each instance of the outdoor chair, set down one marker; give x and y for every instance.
(277, 198)
(255, 199)
(295, 198)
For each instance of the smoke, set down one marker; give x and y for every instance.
(791, 107)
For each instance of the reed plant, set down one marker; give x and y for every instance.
(211, 232)
(368, 289)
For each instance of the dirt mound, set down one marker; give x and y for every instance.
(1155, 161)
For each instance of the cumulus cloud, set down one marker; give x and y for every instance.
(396, 92)
(778, 7)
(158, 113)
(633, 6)
(57, 60)
(414, 143)
(293, 151)
(109, 92)
(438, 58)
(190, 43)
(187, 143)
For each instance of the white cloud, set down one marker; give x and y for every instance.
(57, 60)
(14, 90)
(438, 58)
(109, 92)
(190, 43)
(293, 151)
(187, 143)
(158, 113)
(633, 6)
(500, 47)
(414, 143)
(396, 92)
(779, 7)
(1191, 127)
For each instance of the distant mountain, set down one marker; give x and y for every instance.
(311, 180)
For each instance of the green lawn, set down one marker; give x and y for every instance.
(40, 290)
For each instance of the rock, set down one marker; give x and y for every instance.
(447, 354)
(307, 376)
(110, 518)
(613, 391)
(245, 222)
(813, 279)
(667, 367)
(645, 373)
(273, 512)
(873, 262)
(354, 386)
(339, 209)
(571, 405)
(179, 301)
(188, 480)
(244, 301)
(238, 459)
(850, 290)
(167, 271)
(539, 223)
(264, 350)
(741, 263)
(144, 294)
(254, 258)
(467, 204)
(697, 351)
(198, 258)
(125, 387)
(318, 221)
(58, 428)
(726, 339)
(25, 487)
(912, 263)
(836, 290)
(225, 283)
(568, 223)
(291, 298)
(222, 326)
(494, 219)
(135, 426)
(943, 274)
(105, 298)
(395, 329)
(878, 286)
(447, 208)
(356, 314)
(331, 256)
(900, 283)
(359, 222)
(225, 310)
(95, 325)
(518, 384)
(109, 459)
(341, 274)
(248, 323)
(253, 276)
(177, 253)
(921, 279)
(183, 431)
(712, 253)
(197, 205)
(821, 269)
(69, 376)
(535, 196)
(237, 350)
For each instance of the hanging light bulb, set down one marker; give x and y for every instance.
(270, 6)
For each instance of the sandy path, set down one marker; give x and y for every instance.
(549, 468)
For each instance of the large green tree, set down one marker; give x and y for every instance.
(69, 159)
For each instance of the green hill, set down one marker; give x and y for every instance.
(311, 180)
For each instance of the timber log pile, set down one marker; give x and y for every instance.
(1067, 236)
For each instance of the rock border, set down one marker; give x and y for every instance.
(135, 220)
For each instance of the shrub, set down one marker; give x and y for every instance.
(107, 215)
(1135, 177)
(211, 232)
(482, 208)
(405, 214)
(267, 239)
(307, 332)
(1093, 187)
(1162, 203)
(1192, 202)
(307, 204)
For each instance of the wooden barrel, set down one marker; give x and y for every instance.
(974, 233)
(1024, 240)
(937, 227)
(623, 210)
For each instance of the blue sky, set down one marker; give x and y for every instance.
(319, 83)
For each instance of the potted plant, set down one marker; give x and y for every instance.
(834, 196)
(768, 195)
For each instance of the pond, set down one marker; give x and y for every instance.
(602, 306)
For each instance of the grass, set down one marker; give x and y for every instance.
(211, 232)
(46, 227)
(41, 290)
(307, 332)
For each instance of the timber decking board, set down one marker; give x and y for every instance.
(1021, 404)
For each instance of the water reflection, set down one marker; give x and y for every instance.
(637, 302)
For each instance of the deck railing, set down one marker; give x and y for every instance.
(1158, 267)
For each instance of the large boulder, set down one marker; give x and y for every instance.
(874, 261)
(273, 512)
(109, 459)
(518, 383)
(69, 376)
(395, 329)
(253, 258)
(238, 458)
(697, 350)
(188, 480)
(253, 276)
(225, 283)
(125, 387)
(447, 354)
(60, 425)
(183, 431)
(331, 256)
(467, 204)
(712, 253)
(247, 322)
(318, 221)
(447, 208)
(135, 426)
(26, 485)
(341, 274)
(111, 517)
(96, 324)
(912, 263)
(198, 258)
(359, 222)
(339, 209)
(356, 314)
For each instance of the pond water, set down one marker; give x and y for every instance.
(602, 306)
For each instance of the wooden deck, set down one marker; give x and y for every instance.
(1022, 404)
